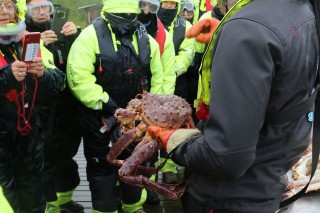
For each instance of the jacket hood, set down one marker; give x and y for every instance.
(178, 6)
(120, 6)
(178, 1)
(22, 8)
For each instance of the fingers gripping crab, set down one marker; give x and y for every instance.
(166, 111)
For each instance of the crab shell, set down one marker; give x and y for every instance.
(166, 111)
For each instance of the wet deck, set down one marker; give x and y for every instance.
(310, 203)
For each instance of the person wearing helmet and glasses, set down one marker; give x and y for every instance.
(156, 29)
(184, 47)
(61, 135)
(184, 53)
(110, 62)
(251, 138)
(24, 87)
(187, 10)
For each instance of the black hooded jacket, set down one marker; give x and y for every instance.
(264, 59)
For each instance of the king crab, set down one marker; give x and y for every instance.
(166, 111)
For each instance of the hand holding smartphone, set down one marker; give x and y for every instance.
(60, 17)
(30, 46)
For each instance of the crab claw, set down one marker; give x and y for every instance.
(125, 116)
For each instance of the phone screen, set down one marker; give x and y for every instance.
(60, 17)
(31, 46)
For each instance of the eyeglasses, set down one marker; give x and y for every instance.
(151, 5)
(35, 10)
(8, 4)
(229, 3)
(188, 6)
(186, 14)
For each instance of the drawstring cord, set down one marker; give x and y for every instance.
(23, 122)
(24, 127)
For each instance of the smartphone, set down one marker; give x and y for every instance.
(31, 46)
(60, 17)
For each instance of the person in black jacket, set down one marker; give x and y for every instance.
(263, 59)
(23, 87)
(62, 136)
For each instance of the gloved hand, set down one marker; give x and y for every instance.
(171, 138)
(110, 107)
(203, 30)
(109, 122)
(115, 133)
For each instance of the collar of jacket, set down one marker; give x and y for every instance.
(117, 42)
(205, 68)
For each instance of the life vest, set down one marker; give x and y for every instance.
(203, 96)
(161, 36)
(122, 74)
(179, 32)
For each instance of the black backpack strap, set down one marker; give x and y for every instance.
(294, 113)
(316, 123)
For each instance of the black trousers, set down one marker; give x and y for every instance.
(21, 171)
(62, 138)
(101, 175)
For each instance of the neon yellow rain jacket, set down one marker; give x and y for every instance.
(82, 58)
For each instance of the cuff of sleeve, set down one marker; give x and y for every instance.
(180, 136)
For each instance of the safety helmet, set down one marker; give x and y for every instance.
(120, 6)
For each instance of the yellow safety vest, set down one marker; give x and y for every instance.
(203, 95)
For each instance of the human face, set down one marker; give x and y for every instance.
(187, 10)
(186, 14)
(40, 10)
(169, 5)
(7, 12)
(148, 6)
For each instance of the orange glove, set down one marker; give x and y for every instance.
(171, 138)
(162, 134)
(203, 30)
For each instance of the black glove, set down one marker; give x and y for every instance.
(109, 122)
(200, 125)
(110, 107)
(115, 133)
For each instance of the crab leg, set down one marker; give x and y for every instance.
(172, 191)
(141, 169)
(139, 155)
(125, 140)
